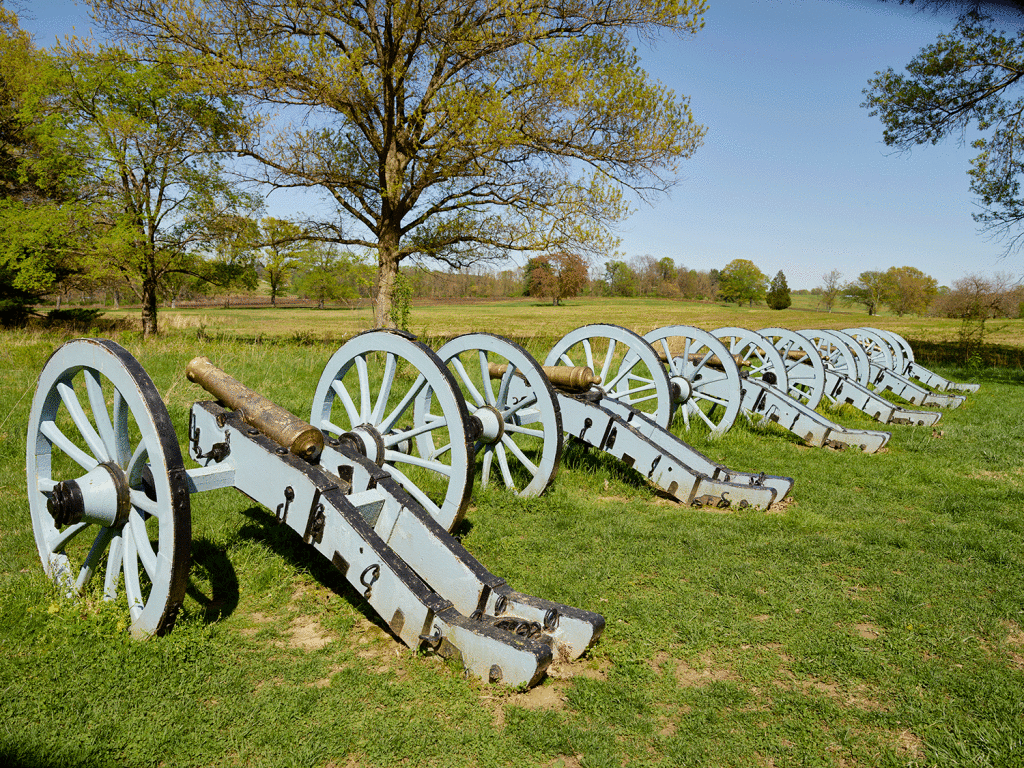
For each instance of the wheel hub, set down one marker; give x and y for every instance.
(367, 441)
(100, 496)
(682, 389)
(492, 425)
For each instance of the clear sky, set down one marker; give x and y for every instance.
(793, 174)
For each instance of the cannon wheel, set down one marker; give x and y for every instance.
(835, 353)
(114, 451)
(804, 368)
(757, 353)
(878, 349)
(630, 369)
(707, 394)
(524, 451)
(862, 368)
(375, 379)
(908, 351)
(901, 355)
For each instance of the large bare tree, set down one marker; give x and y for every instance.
(454, 130)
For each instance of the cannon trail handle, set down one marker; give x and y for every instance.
(281, 426)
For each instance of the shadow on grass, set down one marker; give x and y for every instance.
(283, 541)
(579, 456)
(223, 581)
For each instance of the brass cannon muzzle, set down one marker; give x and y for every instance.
(281, 426)
(577, 378)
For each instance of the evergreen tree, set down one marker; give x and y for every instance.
(778, 293)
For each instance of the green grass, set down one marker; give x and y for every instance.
(877, 619)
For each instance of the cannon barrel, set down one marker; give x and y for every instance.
(577, 378)
(277, 423)
(695, 358)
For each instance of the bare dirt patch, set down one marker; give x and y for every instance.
(550, 695)
(704, 673)
(593, 669)
(566, 761)
(323, 682)
(858, 697)
(909, 744)
(868, 631)
(1015, 640)
(305, 633)
(783, 506)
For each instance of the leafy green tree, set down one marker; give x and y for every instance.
(968, 80)
(146, 147)
(40, 233)
(778, 292)
(907, 290)
(232, 254)
(868, 289)
(741, 281)
(619, 279)
(329, 274)
(452, 130)
(285, 247)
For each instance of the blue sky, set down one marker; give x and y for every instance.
(793, 174)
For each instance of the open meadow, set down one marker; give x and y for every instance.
(874, 618)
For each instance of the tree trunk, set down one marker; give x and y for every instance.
(149, 327)
(387, 271)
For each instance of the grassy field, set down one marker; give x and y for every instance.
(525, 318)
(875, 619)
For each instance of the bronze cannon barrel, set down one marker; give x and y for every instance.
(577, 378)
(277, 423)
(695, 358)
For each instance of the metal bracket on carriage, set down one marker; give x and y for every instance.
(431, 592)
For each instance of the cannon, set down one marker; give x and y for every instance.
(734, 370)
(110, 497)
(846, 375)
(565, 396)
(518, 413)
(914, 370)
(885, 361)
